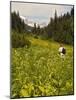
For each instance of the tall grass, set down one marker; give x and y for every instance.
(40, 71)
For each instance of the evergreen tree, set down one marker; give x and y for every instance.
(17, 23)
(34, 29)
(61, 28)
(38, 30)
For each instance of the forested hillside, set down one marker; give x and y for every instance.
(60, 29)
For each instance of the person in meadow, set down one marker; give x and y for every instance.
(62, 50)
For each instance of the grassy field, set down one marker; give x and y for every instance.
(40, 71)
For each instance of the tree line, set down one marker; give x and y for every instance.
(60, 28)
(17, 23)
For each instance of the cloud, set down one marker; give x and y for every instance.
(39, 11)
(30, 9)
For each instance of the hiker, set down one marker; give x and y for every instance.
(62, 50)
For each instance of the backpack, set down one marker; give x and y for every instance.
(64, 51)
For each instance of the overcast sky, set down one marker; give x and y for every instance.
(39, 12)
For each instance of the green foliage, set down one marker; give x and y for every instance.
(40, 71)
(35, 36)
(17, 23)
(19, 40)
(34, 30)
(61, 28)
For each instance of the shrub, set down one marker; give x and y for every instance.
(19, 40)
(35, 36)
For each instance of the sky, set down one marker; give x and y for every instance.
(39, 13)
